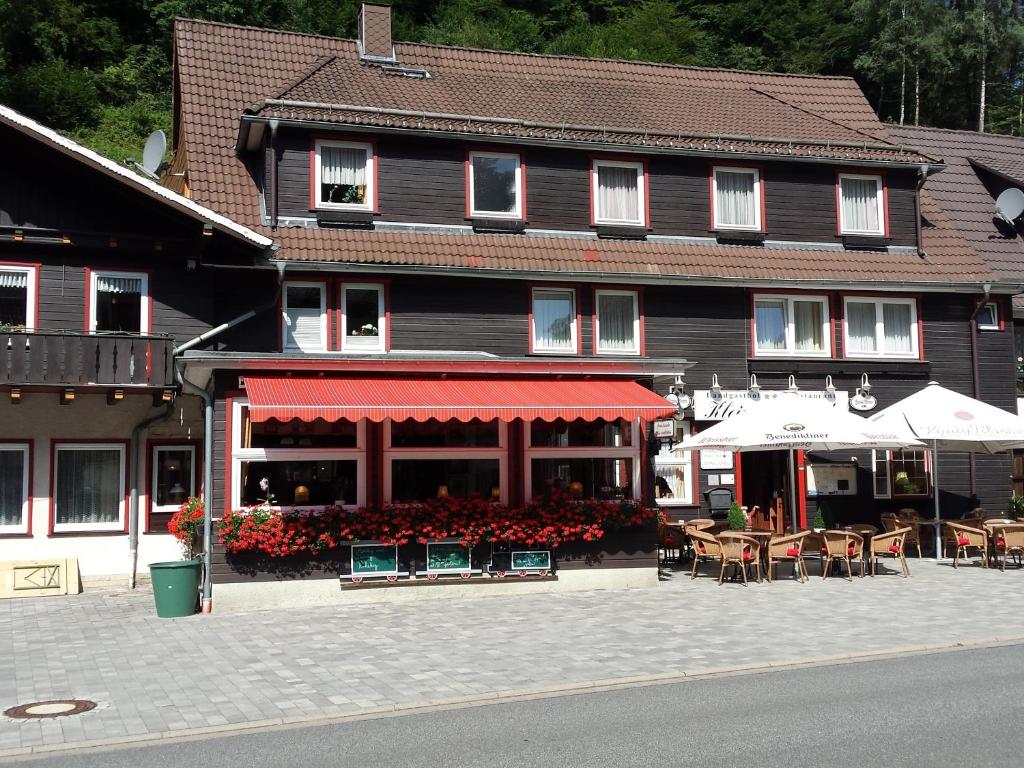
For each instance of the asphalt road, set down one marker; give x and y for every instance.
(958, 708)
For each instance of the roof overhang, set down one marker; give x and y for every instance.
(34, 130)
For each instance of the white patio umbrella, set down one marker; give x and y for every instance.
(953, 422)
(793, 423)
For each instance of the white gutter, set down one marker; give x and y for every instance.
(30, 127)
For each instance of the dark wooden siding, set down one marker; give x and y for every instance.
(423, 180)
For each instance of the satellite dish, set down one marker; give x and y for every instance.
(1010, 205)
(156, 145)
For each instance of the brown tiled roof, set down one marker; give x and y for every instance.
(1010, 167)
(948, 260)
(962, 196)
(221, 69)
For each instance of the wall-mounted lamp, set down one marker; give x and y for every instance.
(677, 395)
(755, 389)
(15, 395)
(115, 396)
(792, 388)
(863, 400)
(830, 389)
(67, 395)
(716, 388)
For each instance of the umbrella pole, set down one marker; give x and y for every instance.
(793, 489)
(935, 490)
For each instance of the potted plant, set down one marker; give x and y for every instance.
(737, 517)
(819, 524)
(184, 525)
(1017, 506)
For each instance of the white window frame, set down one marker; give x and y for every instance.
(666, 457)
(26, 487)
(324, 338)
(597, 322)
(573, 347)
(31, 296)
(879, 203)
(641, 187)
(517, 214)
(891, 479)
(145, 304)
(880, 352)
(791, 350)
(239, 455)
(190, 490)
(349, 343)
(460, 452)
(995, 324)
(370, 172)
(116, 527)
(756, 174)
(632, 451)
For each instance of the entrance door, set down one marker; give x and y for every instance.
(765, 478)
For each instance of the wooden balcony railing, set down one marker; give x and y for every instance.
(65, 358)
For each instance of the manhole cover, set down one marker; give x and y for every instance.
(55, 708)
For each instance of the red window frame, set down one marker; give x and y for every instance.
(33, 305)
(915, 297)
(29, 444)
(171, 442)
(55, 443)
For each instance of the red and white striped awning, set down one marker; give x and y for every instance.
(283, 398)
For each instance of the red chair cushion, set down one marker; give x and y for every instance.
(700, 548)
(894, 548)
(1000, 542)
(793, 552)
(850, 549)
(824, 551)
(747, 555)
(963, 541)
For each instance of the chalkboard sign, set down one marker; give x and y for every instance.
(447, 557)
(374, 560)
(532, 560)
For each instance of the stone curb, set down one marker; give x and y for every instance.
(496, 697)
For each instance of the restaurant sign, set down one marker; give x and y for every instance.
(728, 402)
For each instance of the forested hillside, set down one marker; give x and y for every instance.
(100, 70)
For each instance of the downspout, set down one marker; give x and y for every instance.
(273, 172)
(133, 501)
(922, 177)
(975, 376)
(207, 399)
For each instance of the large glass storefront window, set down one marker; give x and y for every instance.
(296, 463)
(430, 459)
(586, 459)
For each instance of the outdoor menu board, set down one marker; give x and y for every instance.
(448, 557)
(532, 560)
(374, 560)
(832, 479)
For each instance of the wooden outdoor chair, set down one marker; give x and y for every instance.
(1010, 541)
(788, 549)
(889, 544)
(671, 539)
(842, 546)
(705, 548)
(700, 523)
(951, 538)
(967, 537)
(910, 518)
(741, 551)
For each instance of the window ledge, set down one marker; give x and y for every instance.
(66, 534)
(484, 224)
(741, 236)
(16, 536)
(865, 242)
(346, 219)
(809, 366)
(622, 231)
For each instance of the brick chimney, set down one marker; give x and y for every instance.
(375, 33)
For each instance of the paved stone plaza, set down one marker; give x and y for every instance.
(155, 676)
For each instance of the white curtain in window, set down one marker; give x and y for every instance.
(10, 279)
(618, 194)
(12, 487)
(897, 325)
(552, 319)
(808, 319)
(734, 204)
(109, 284)
(342, 166)
(860, 326)
(88, 486)
(615, 318)
(860, 205)
(770, 324)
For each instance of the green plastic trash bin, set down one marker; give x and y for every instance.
(176, 587)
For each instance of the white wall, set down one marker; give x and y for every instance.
(40, 418)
